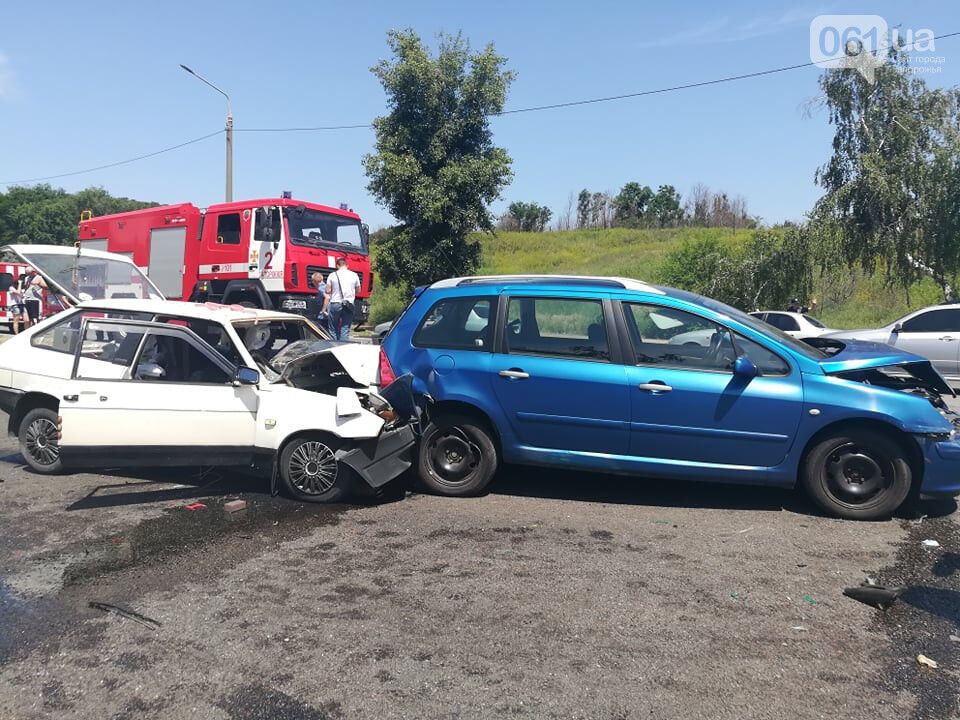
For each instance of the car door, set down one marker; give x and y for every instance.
(174, 403)
(688, 406)
(556, 375)
(934, 334)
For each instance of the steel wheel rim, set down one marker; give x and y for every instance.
(313, 468)
(854, 476)
(453, 456)
(41, 441)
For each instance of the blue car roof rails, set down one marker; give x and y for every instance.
(542, 280)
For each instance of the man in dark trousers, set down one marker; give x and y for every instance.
(339, 299)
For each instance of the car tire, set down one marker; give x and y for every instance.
(40, 442)
(457, 456)
(857, 474)
(310, 471)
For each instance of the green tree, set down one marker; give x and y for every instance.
(435, 167)
(665, 208)
(891, 184)
(42, 214)
(526, 217)
(584, 201)
(630, 204)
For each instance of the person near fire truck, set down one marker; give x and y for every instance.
(321, 286)
(31, 290)
(339, 299)
(18, 312)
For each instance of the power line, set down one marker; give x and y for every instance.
(517, 111)
(113, 164)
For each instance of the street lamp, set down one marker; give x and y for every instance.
(229, 129)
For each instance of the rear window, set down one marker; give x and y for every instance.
(461, 323)
(557, 327)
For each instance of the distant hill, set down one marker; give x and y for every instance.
(859, 301)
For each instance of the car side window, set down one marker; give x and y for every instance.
(767, 362)
(106, 350)
(943, 320)
(783, 322)
(670, 337)
(458, 323)
(64, 335)
(173, 359)
(557, 327)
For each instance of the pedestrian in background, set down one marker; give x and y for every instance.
(321, 286)
(339, 299)
(31, 290)
(18, 312)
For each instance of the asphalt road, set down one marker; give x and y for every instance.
(557, 595)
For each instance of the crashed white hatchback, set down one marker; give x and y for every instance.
(137, 381)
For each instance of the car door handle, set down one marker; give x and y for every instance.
(656, 386)
(514, 374)
(947, 338)
(71, 398)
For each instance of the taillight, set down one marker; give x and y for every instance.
(387, 375)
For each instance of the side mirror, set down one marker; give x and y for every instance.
(744, 367)
(365, 233)
(897, 328)
(246, 376)
(150, 371)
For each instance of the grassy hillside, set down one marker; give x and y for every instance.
(864, 302)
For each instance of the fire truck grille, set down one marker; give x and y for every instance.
(325, 272)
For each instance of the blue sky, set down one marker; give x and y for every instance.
(83, 84)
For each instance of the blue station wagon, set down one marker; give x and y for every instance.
(618, 376)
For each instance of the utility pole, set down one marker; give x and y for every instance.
(229, 132)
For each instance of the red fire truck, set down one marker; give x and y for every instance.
(260, 253)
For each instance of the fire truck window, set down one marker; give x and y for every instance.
(6, 281)
(228, 229)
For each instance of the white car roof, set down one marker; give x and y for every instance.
(627, 283)
(199, 311)
(66, 250)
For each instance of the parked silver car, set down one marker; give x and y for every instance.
(933, 332)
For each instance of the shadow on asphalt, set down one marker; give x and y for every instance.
(619, 489)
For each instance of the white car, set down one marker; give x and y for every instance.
(798, 325)
(145, 381)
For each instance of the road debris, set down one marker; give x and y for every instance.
(123, 612)
(873, 595)
(735, 595)
(930, 543)
(196, 506)
(234, 506)
(808, 599)
(798, 628)
(955, 638)
(927, 662)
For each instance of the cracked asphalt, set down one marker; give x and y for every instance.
(557, 595)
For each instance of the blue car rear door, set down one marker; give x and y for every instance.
(557, 375)
(687, 405)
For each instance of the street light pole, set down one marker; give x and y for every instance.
(228, 128)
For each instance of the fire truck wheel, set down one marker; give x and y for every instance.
(40, 441)
(311, 471)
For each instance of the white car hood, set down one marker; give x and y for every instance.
(360, 362)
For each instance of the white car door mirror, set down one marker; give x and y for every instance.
(149, 371)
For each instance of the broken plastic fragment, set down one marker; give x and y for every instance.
(927, 662)
(808, 599)
(196, 506)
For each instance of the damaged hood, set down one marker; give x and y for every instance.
(360, 362)
(858, 355)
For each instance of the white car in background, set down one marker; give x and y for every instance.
(798, 325)
(143, 381)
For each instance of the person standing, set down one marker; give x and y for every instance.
(31, 290)
(340, 297)
(321, 286)
(17, 311)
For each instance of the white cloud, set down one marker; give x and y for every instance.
(6, 76)
(725, 30)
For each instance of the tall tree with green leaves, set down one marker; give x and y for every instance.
(890, 185)
(631, 203)
(435, 167)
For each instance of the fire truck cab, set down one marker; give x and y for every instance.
(259, 253)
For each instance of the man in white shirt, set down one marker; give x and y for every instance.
(340, 297)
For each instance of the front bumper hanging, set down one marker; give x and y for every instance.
(381, 459)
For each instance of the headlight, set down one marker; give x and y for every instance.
(943, 436)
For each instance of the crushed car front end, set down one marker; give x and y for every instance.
(904, 390)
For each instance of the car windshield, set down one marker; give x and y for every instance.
(313, 228)
(750, 321)
(273, 343)
(86, 277)
(813, 321)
